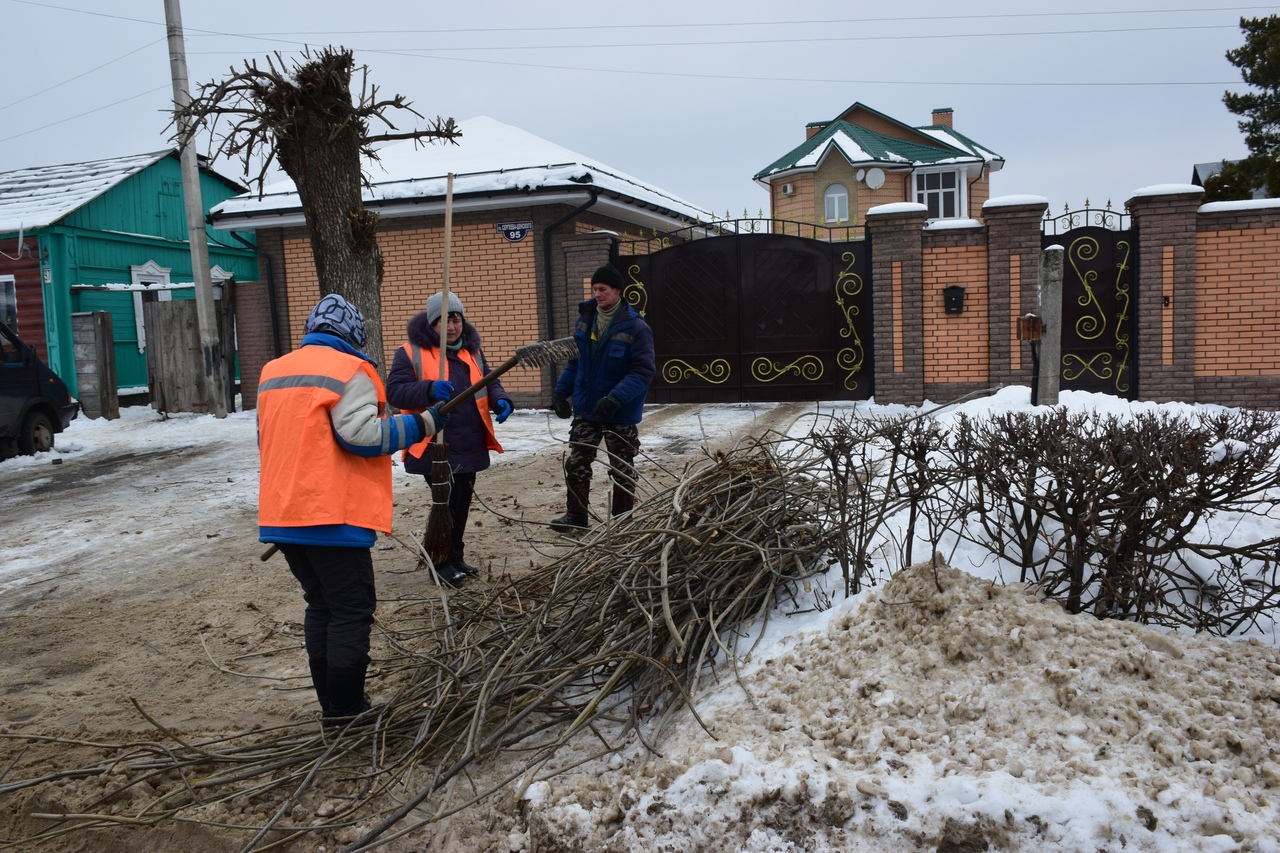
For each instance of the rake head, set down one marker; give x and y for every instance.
(543, 353)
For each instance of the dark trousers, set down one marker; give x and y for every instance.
(622, 441)
(337, 584)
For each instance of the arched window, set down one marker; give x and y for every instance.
(837, 202)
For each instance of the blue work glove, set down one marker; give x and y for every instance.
(562, 406)
(437, 419)
(441, 389)
(607, 407)
(502, 410)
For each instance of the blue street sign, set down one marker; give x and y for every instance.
(515, 231)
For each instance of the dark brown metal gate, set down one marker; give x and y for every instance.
(756, 317)
(1098, 298)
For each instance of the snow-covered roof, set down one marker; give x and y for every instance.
(862, 146)
(491, 162)
(945, 134)
(39, 196)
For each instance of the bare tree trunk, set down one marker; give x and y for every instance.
(322, 155)
(308, 121)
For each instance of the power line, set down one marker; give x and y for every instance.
(433, 53)
(844, 82)
(78, 76)
(88, 12)
(818, 39)
(83, 114)
(714, 24)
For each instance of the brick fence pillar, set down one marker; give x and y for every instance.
(896, 232)
(1013, 265)
(1164, 222)
(254, 342)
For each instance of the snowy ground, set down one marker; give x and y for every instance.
(939, 711)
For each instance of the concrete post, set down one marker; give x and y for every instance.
(1050, 309)
(210, 343)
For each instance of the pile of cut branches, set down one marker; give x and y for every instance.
(614, 634)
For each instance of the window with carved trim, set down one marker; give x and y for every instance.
(9, 301)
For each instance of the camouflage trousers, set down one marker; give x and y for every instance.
(622, 441)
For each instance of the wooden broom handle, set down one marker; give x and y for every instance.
(444, 290)
(475, 387)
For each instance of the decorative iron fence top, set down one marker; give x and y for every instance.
(744, 225)
(1112, 220)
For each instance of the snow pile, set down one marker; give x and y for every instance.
(945, 712)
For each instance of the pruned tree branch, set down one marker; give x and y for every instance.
(301, 115)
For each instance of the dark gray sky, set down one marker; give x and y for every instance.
(1091, 100)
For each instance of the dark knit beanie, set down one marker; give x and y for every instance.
(608, 274)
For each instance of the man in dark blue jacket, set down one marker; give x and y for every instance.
(603, 390)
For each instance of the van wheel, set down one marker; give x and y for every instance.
(36, 435)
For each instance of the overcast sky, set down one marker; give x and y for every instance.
(1091, 100)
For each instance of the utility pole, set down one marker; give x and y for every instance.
(205, 309)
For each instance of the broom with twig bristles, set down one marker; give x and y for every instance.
(437, 539)
(439, 535)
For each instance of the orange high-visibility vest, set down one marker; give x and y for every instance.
(426, 364)
(306, 478)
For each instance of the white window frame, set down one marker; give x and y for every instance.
(835, 200)
(937, 195)
(147, 277)
(9, 301)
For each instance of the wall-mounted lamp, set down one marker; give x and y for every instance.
(953, 299)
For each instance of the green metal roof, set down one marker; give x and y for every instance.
(861, 145)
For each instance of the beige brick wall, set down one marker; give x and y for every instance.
(979, 194)
(955, 345)
(1238, 302)
(798, 207)
(495, 279)
(808, 203)
(837, 170)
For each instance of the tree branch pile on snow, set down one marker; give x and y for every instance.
(617, 631)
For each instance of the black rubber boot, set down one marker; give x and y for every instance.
(320, 681)
(455, 560)
(575, 518)
(451, 573)
(623, 500)
(347, 698)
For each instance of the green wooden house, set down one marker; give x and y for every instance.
(107, 235)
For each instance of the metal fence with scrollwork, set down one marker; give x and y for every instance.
(755, 310)
(656, 241)
(1105, 217)
(1098, 299)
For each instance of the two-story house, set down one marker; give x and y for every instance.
(863, 158)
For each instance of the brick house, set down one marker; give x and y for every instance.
(863, 158)
(531, 221)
